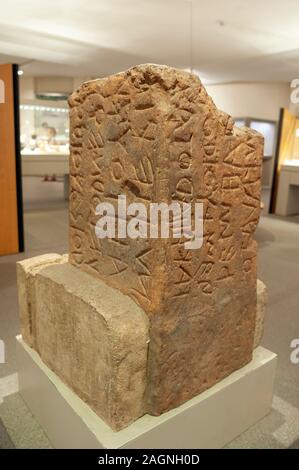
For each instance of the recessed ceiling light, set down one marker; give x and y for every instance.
(20, 72)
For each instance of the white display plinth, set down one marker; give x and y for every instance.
(209, 420)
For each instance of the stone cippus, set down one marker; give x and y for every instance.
(175, 220)
(153, 134)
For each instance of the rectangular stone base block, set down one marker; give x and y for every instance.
(210, 420)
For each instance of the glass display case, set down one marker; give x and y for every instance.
(44, 130)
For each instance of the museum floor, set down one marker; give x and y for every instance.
(46, 223)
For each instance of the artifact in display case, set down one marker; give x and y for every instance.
(44, 130)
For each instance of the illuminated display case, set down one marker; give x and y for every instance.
(44, 129)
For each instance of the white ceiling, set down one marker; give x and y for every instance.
(232, 40)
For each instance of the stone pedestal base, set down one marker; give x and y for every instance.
(92, 336)
(210, 420)
(97, 339)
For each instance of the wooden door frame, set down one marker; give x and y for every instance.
(12, 238)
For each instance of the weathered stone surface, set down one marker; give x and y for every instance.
(26, 272)
(262, 299)
(95, 339)
(153, 134)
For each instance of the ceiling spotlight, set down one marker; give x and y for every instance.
(20, 72)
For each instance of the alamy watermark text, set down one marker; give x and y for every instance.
(157, 220)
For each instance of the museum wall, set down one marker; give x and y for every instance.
(258, 100)
(26, 88)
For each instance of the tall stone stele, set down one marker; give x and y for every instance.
(141, 325)
(153, 134)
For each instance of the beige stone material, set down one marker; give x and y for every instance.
(153, 134)
(262, 299)
(26, 272)
(95, 339)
